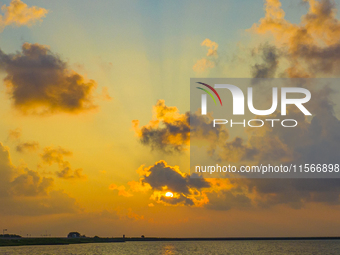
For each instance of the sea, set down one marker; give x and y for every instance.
(299, 247)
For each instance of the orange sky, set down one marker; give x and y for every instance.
(89, 108)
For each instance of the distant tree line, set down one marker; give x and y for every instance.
(9, 236)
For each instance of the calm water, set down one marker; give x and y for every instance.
(184, 247)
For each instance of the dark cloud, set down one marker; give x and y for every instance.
(237, 150)
(27, 146)
(177, 200)
(319, 59)
(56, 155)
(161, 177)
(295, 192)
(225, 200)
(270, 61)
(169, 130)
(39, 82)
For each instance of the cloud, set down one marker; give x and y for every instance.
(161, 178)
(137, 186)
(208, 62)
(162, 175)
(56, 155)
(121, 190)
(7, 171)
(311, 47)
(25, 192)
(20, 182)
(244, 193)
(203, 65)
(14, 134)
(212, 47)
(31, 184)
(19, 14)
(27, 146)
(128, 214)
(39, 82)
(105, 94)
(226, 200)
(270, 57)
(169, 130)
(295, 192)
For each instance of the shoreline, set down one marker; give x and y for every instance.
(28, 241)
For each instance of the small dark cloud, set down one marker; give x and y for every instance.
(162, 177)
(27, 146)
(56, 155)
(14, 134)
(177, 200)
(169, 131)
(325, 60)
(270, 61)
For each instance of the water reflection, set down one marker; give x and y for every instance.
(183, 247)
(168, 249)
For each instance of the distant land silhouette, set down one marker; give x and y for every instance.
(76, 238)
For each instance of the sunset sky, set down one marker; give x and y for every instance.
(90, 88)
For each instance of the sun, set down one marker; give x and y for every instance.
(169, 194)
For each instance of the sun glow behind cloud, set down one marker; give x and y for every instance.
(169, 194)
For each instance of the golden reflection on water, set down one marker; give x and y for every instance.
(168, 249)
